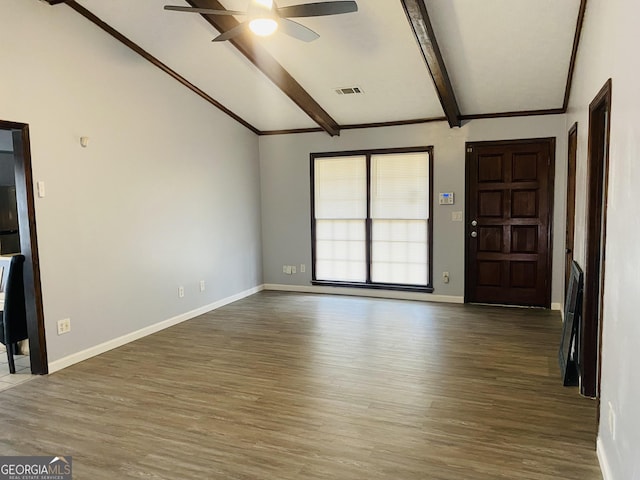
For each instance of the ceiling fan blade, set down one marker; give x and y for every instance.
(234, 32)
(318, 9)
(297, 30)
(206, 11)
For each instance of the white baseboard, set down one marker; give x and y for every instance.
(557, 306)
(361, 292)
(143, 332)
(604, 463)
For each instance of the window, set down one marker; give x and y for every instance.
(371, 218)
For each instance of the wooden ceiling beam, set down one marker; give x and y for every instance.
(418, 17)
(259, 56)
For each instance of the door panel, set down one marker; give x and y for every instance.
(524, 167)
(509, 197)
(524, 239)
(490, 239)
(490, 204)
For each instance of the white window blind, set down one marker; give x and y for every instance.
(400, 216)
(371, 218)
(340, 208)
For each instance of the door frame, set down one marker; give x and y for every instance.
(570, 220)
(590, 361)
(29, 245)
(551, 182)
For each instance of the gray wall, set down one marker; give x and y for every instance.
(6, 141)
(166, 194)
(285, 182)
(610, 31)
(7, 171)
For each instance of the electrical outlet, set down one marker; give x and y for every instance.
(288, 270)
(284, 269)
(303, 268)
(64, 326)
(180, 292)
(293, 269)
(445, 277)
(202, 285)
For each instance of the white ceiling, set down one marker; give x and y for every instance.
(373, 49)
(183, 42)
(501, 56)
(506, 55)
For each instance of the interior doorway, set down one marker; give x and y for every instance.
(18, 134)
(597, 186)
(571, 204)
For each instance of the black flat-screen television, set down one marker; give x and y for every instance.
(569, 354)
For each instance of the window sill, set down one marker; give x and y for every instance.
(374, 286)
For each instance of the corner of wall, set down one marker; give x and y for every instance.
(602, 459)
(143, 332)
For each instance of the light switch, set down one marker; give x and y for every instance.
(456, 216)
(40, 186)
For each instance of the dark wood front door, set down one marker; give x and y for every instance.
(571, 205)
(508, 222)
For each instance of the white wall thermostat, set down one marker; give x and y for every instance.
(446, 198)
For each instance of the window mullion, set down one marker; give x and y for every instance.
(368, 237)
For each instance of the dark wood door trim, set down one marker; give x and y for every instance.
(29, 245)
(469, 146)
(572, 141)
(597, 192)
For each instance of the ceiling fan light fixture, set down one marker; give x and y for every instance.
(263, 26)
(264, 17)
(266, 3)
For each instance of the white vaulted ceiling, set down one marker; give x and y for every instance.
(506, 55)
(501, 56)
(373, 49)
(183, 42)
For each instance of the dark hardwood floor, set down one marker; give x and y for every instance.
(295, 386)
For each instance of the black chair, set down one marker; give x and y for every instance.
(13, 319)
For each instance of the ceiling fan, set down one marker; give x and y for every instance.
(265, 17)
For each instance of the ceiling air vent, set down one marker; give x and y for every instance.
(349, 90)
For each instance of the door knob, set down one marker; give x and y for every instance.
(474, 223)
(474, 234)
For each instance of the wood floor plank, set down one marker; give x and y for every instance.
(299, 386)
